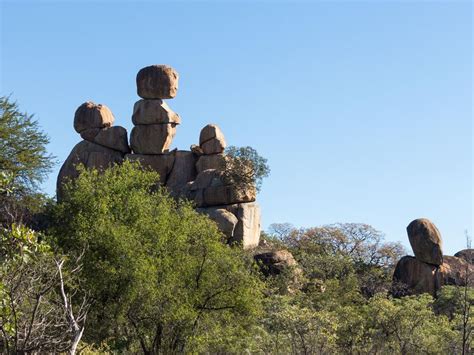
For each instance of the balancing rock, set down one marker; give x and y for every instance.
(211, 140)
(90, 115)
(157, 82)
(425, 241)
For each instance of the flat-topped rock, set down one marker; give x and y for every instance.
(147, 112)
(90, 115)
(157, 82)
(152, 139)
(425, 241)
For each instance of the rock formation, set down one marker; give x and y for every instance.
(429, 269)
(198, 174)
(102, 145)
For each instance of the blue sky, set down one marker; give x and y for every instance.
(363, 109)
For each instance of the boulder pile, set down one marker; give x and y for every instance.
(102, 144)
(429, 269)
(198, 174)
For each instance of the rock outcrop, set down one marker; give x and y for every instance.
(466, 254)
(275, 262)
(197, 174)
(429, 269)
(102, 145)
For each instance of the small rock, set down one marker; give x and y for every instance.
(196, 149)
(425, 241)
(211, 140)
(147, 112)
(90, 115)
(157, 82)
(152, 139)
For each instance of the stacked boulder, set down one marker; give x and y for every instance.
(429, 269)
(102, 146)
(155, 123)
(200, 174)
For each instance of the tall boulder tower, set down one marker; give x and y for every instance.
(199, 174)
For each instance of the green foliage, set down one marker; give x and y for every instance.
(22, 146)
(160, 275)
(24, 163)
(245, 167)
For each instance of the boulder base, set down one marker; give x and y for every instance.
(417, 277)
(152, 139)
(153, 112)
(89, 154)
(213, 161)
(162, 163)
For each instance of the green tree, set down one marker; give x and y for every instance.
(159, 273)
(245, 167)
(24, 163)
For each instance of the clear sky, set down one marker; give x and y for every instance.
(363, 109)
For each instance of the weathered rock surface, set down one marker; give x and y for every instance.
(152, 139)
(182, 172)
(156, 111)
(212, 161)
(425, 241)
(162, 163)
(115, 138)
(419, 277)
(211, 140)
(456, 271)
(466, 254)
(210, 189)
(90, 115)
(225, 220)
(275, 262)
(247, 230)
(89, 154)
(157, 82)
